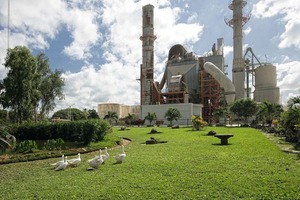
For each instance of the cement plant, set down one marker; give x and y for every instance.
(197, 85)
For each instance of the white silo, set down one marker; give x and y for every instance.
(266, 84)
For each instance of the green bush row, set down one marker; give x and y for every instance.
(84, 131)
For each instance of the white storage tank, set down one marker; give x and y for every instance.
(265, 76)
(266, 84)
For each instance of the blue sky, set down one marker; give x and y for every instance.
(96, 43)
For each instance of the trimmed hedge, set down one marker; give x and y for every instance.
(84, 131)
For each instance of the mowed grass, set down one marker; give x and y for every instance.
(190, 165)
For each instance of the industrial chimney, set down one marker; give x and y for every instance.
(237, 22)
(147, 67)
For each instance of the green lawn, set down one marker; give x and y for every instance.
(190, 165)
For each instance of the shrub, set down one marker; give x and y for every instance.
(54, 144)
(198, 123)
(159, 122)
(83, 131)
(26, 146)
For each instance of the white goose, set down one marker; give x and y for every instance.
(75, 161)
(59, 162)
(105, 156)
(95, 162)
(120, 158)
(63, 165)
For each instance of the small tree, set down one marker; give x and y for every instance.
(172, 114)
(129, 119)
(150, 117)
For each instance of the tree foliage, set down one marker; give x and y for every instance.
(92, 114)
(30, 87)
(244, 108)
(151, 117)
(111, 116)
(70, 113)
(290, 121)
(198, 123)
(293, 101)
(268, 111)
(172, 114)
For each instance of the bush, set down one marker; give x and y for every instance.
(159, 122)
(54, 144)
(198, 123)
(83, 131)
(26, 146)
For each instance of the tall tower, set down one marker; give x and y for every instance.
(147, 67)
(237, 22)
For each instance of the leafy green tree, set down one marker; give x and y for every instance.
(111, 116)
(70, 113)
(92, 114)
(172, 114)
(244, 108)
(49, 85)
(17, 87)
(151, 117)
(268, 111)
(30, 86)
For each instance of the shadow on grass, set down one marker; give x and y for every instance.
(219, 144)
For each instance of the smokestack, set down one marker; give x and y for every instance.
(147, 67)
(238, 69)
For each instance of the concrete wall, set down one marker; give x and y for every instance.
(186, 110)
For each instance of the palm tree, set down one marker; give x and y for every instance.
(172, 114)
(111, 116)
(290, 121)
(219, 113)
(268, 111)
(292, 101)
(150, 117)
(129, 118)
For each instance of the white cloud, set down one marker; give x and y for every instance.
(290, 10)
(39, 22)
(115, 81)
(288, 77)
(228, 50)
(84, 31)
(247, 30)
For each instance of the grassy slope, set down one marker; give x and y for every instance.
(189, 166)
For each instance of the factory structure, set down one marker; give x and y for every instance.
(197, 85)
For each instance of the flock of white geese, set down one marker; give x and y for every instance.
(94, 163)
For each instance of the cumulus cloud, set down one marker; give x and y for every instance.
(116, 80)
(288, 77)
(290, 10)
(39, 22)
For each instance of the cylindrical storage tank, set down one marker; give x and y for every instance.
(265, 76)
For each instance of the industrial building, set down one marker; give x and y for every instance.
(197, 85)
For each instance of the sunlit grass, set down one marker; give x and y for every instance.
(190, 165)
